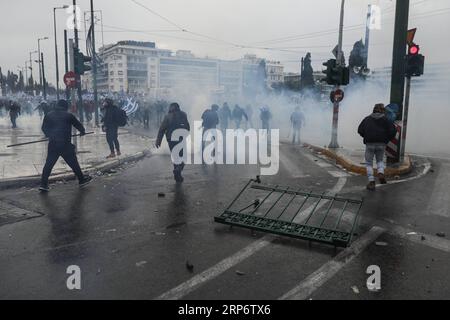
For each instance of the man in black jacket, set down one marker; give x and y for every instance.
(111, 127)
(14, 112)
(238, 114)
(377, 131)
(57, 127)
(210, 121)
(175, 119)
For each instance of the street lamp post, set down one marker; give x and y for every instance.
(26, 74)
(39, 59)
(56, 48)
(31, 71)
(31, 63)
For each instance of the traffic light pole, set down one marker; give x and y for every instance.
(334, 131)
(94, 66)
(405, 119)
(71, 67)
(367, 39)
(66, 61)
(398, 72)
(44, 81)
(80, 95)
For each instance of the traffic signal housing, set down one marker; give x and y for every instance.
(335, 74)
(415, 62)
(80, 62)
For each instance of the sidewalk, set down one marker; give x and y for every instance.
(25, 163)
(353, 161)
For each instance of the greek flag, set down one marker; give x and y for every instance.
(130, 106)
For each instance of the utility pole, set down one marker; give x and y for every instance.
(94, 65)
(43, 77)
(31, 71)
(71, 67)
(405, 119)
(56, 48)
(66, 61)
(76, 48)
(367, 40)
(39, 60)
(334, 133)
(26, 75)
(39, 63)
(398, 73)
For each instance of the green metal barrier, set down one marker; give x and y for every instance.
(334, 225)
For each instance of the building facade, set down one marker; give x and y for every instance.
(140, 67)
(124, 66)
(275, 72)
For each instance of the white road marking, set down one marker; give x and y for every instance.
(430, 241)
(426, 169)
(335, 190)
(211, 273)
(216, 270)
(332, 267)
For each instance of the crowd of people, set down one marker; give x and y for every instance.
(377, 129)
(58, 118)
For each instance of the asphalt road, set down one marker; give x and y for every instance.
(131, 244)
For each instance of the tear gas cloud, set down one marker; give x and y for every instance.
(428, 129)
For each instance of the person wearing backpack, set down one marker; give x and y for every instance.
(112, 120)
(210, 118)
(377, 131)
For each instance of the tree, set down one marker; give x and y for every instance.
(12, 80)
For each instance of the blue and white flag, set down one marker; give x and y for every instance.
(130, 106)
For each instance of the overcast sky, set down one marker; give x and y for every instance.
(225, 29)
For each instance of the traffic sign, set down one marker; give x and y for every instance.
(337, 96)
(70, 79)
(335, 51)
(410, 36)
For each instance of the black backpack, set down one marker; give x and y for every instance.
(121, 118)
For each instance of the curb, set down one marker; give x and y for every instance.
(68, 175)
(405, 168)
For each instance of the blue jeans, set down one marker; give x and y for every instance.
(376, 150)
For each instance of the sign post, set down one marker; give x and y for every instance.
(337, 96)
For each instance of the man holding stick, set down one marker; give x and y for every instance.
(57, 127)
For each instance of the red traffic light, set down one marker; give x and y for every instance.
(414, 49)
